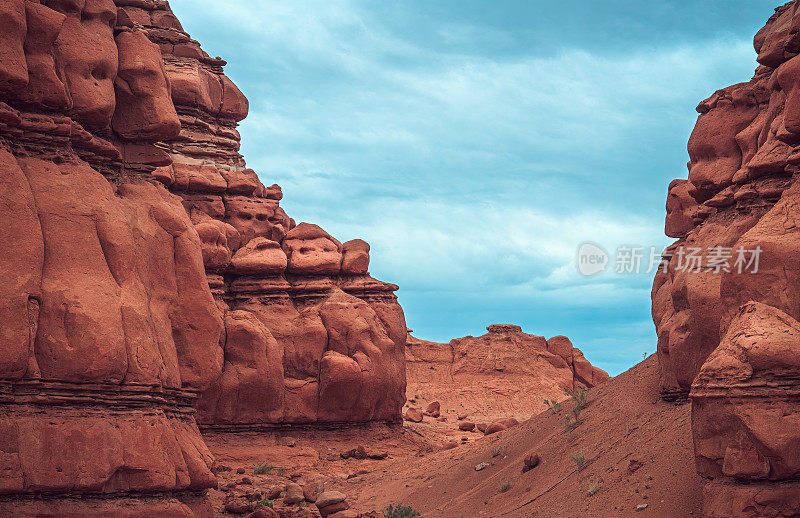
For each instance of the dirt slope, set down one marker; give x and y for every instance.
(637, 448)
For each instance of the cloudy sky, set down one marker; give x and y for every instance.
(476, 144)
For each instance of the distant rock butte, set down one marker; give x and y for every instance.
(730, 339)
(147, 271)
(504, 373)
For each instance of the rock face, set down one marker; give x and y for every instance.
(146, 267)
(746, 417)
(501, 374)
(732, 330)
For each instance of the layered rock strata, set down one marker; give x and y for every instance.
(309, 335)
(727, 324)
(110, 330)
(746, 417)
(147, 272)
(503, 373)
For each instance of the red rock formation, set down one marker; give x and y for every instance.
(746, 417)
(289, 293)
(503, 373)
(145, 266)
(110, 329)
(731, 331)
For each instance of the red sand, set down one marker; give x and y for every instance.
(625, 423)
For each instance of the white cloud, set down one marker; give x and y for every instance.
(466, 172)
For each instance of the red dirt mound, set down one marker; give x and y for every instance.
(504, 373)
(629, 450)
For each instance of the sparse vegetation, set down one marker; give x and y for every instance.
(401, 511)
(576, 412)
(505, 485)
(264, 503)
(579, 459)
(593, 487)
(553, 405)
(498, 451)
(260, 468)
(580, 397)
(569, 423)
(281, 471)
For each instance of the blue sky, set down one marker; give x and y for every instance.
(475, 145)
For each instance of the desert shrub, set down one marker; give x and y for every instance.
(569, 423)
(579, 459)
(497, 451)
(594, 487)
(553, 405)
(505, 485)
(401, 511)
(579, 396)
(259, 468)
(264, 503)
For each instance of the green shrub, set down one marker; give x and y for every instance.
(579, 396)
(569, 423)
(553, 405)
(401, 511)
(259, 468)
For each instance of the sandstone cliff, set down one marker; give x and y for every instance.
(735, 323)
(144, 267)
(504, 373)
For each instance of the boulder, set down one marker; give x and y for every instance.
(294, 494)
(530, 462)
(314, 488)
(239, 506)
(312, 251)
(355, 257)
(433, 409)
(329, 498)
(500, 425)
(466, 426)
(414, 415)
